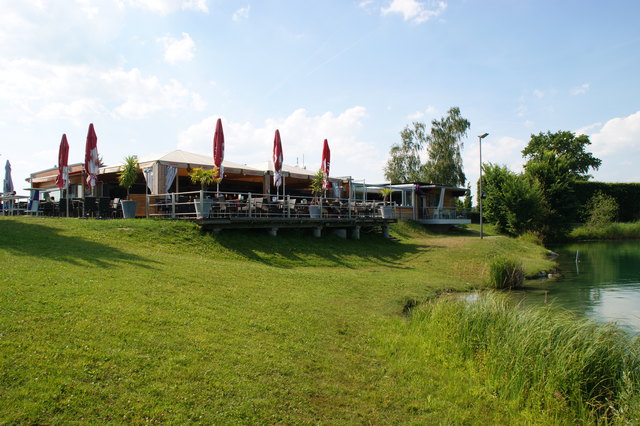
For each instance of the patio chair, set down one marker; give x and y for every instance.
(90, 206)
(33, 208)
(115, 208)
(104, 207)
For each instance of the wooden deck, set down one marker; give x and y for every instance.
(250, 211)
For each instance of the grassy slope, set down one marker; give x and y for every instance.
(145, 320)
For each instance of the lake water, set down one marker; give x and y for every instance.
(603, 284)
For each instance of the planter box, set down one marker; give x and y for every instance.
(203, 207)
(315, 212)
(386, 212)
(129, 209)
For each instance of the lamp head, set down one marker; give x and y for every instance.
(484, 135)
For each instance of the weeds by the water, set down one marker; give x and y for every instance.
(611, 231)
(505, 272)
(542, 359)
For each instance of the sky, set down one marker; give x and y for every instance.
(155, 75)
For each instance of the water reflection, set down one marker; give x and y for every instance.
(604, 282)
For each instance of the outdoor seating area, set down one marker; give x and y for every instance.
(228, 205)
(93, 207)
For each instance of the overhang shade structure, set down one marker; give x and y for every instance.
(179, 163)
(298, 179)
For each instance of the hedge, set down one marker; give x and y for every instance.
(626, 194)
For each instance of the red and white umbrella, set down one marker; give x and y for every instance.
(91, 162)
(218, 149)
(326, 163)
(277, 160)
(63, 161)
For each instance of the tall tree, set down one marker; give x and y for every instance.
(444, 165)
(443, 145)
(556, 161)
(404, 163)
(566, 147)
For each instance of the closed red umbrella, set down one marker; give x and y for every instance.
(326, 163)
(277, 160)
(63, 162)
(91, 162)
(62, 180)
(218, 149)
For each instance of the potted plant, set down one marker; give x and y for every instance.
(126, 178)
(315, 209)
(204, 177)
(386, 211)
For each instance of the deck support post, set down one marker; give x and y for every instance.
(273, 232)
(385, 230)
(355, 233)
(317, 231)
(341, 232)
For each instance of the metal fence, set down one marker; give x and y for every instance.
(227, 205)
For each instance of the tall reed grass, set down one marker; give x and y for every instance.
(543, 359)
(505, 273)
(611, 231)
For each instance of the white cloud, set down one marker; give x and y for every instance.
(414, 10)
(31, 90)
(538, 93)
(528, 124)
(72, 111)
(430, 111)
(618, 135)
(242, 13)
(302, 135)
(522, 110)
(143, 96)
(616, 143)
(165, 7)
(580, 90)
(178, 50)
(588, 128)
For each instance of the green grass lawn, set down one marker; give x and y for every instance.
(153, 321)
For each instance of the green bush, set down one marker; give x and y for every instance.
(532, 237)
(513, 202)
(505, 273)
(601, 209)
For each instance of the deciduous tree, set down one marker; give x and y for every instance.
(556, 161)
(444, 143)
(404, 162)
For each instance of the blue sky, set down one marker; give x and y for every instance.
(154, 75)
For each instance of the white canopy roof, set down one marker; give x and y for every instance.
(184, 159)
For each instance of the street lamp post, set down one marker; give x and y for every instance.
(482, 136)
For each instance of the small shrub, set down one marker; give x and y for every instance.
(602, 209)
(532, 237)
(505, 273)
